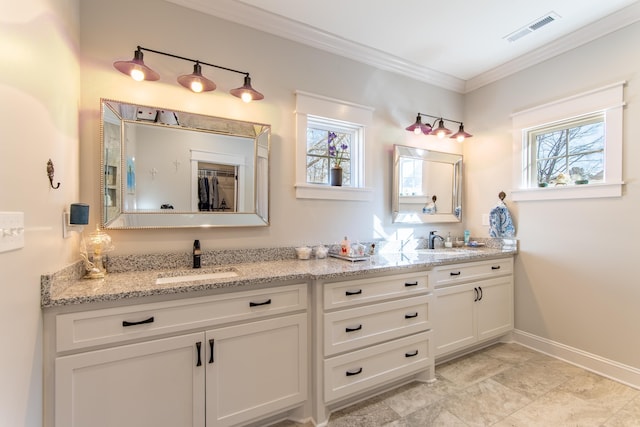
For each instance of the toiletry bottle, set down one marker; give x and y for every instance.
(197, 253)
(467, 236)
(345, 247)
(448, 243)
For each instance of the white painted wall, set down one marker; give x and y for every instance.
(39, 96)
(575, 277)
(278, 67)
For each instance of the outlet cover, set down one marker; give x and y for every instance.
(11, 231)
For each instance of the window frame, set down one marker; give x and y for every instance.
(312, 108)
(610, 101)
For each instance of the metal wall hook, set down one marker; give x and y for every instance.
(502, 195)
(50, 173)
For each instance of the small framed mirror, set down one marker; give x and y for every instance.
(427, 186)
(164, 168)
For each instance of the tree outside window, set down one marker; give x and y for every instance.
(571, 152)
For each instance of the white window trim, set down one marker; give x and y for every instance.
(610, 99)
(308, 104)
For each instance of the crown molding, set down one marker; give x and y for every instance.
(584, 35)
(256, 18)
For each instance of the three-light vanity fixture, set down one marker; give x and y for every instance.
(440, 131)
(138, 70)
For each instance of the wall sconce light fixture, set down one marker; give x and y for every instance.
(441, 130)
(196, 82)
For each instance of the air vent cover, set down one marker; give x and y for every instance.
(533, 26)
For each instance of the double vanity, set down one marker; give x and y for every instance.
(268, 338)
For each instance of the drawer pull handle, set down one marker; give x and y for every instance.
(411, 283)
(349, 293)
(256, 304)
(357, 328)
(480, 289)
(411, 354)
(352, 373)
(477, 294)
(198, 348)
(211, 343)
(495, 267)
(454, 273)
(411, 315)
(142, 322)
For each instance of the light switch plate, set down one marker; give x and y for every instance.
(11, 231)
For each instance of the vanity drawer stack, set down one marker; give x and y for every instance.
(375, 331)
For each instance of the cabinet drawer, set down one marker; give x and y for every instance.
(458, 273)
(112, 325)
(357, 327)
(354, 292)
(359, 370)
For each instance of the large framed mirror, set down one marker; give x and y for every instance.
(427, 186)
(164, 168)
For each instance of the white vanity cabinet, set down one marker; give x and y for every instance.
(221, 360)
(372, 332)
(474, 303)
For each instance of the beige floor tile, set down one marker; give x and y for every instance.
(418, 395)
(534, 379)
(485, 403)
(628, 416)
(435, 415)
(471, 369)
(559, 409)
(365, 414)
(509, 352)
(596, 389)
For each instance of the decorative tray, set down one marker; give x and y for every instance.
(349, 257)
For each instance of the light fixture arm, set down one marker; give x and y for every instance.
(437, 118)
(195, 61)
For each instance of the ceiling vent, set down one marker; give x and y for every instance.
(533, 26)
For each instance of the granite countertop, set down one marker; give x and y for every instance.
(68, 288)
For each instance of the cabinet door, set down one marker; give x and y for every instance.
(495, 307)
(256, 369)
(151, 384)
(453, 318)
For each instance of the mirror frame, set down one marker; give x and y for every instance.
(166, 218)
(410, 217)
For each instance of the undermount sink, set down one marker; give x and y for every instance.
(443, 251)
(167, 278)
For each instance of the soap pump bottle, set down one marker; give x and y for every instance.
(197, 253)
(344, 247)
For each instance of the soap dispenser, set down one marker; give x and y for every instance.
(197, 253)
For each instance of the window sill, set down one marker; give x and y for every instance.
(588, 191)
(327, 192)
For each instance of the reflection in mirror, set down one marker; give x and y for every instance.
(427, 186)
(168, 168)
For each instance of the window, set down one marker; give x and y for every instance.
(567, 153)
(410, 177)
(330, 142)
(328, 130)
(571, 148)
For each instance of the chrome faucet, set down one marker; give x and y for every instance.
(431, 244)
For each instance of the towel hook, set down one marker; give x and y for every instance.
(434, 198)
(502, 195)
(50, 172)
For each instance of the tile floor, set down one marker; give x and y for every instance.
(505, 385)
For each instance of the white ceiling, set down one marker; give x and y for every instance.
(456, 44)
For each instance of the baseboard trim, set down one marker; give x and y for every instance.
(608, 368)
